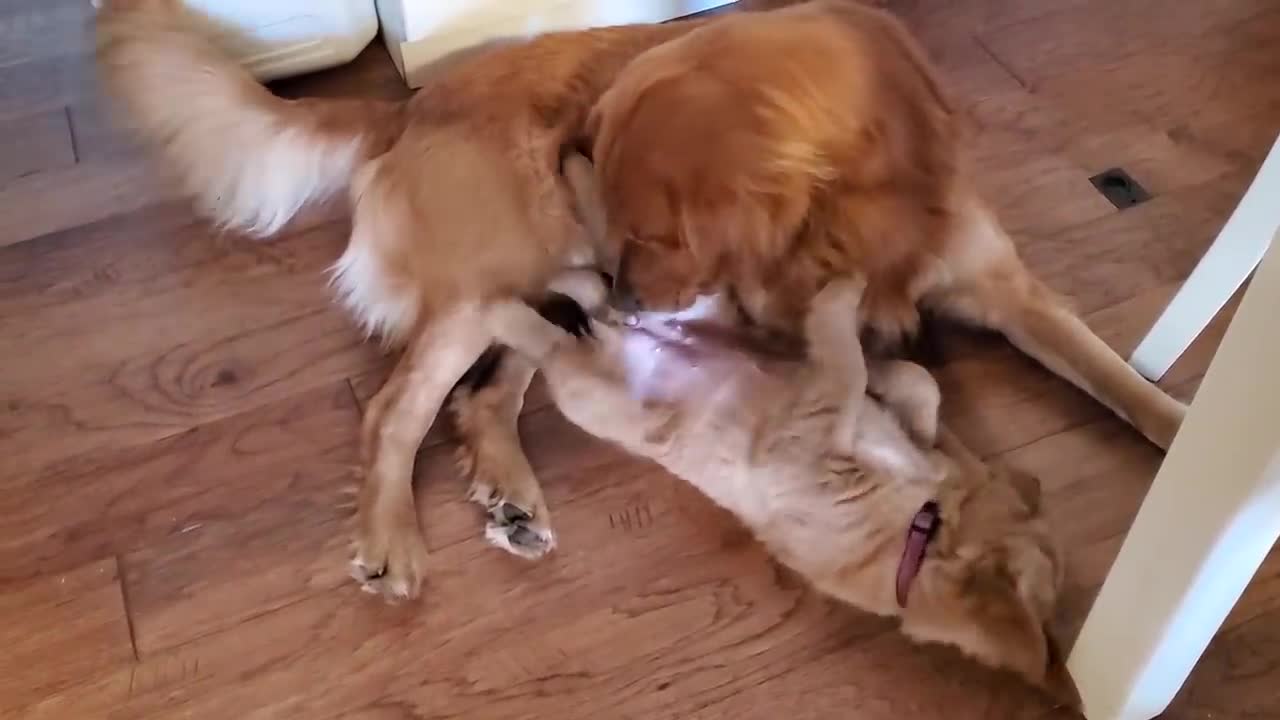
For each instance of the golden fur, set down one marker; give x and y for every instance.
(827, 477)
(768, 153)
(457, 200)
(763, 155)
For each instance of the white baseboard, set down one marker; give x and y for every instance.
(417, 32)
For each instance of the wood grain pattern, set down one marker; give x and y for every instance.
(69, 197)
(50, 28)
(179, 413)
(1079, 61)
(1100, 36)
(137, 331)
(120, 500)
(59, 628)
(35, 143)
(42, 84)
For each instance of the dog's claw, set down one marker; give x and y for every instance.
(518, 531)
(511, 514)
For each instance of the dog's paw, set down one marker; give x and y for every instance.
(520, 528)
(519, 533)
(390, 564)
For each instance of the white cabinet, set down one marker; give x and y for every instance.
(419, 31)
(278, 38)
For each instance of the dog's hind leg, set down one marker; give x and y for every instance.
(390, 552)
(1038, 323)
(486, 409)
(992, 288)
(502, 481)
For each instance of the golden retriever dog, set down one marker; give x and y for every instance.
(766, 154)
(828, 458)
(457, 199)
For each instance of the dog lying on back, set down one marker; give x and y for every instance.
(828, 458)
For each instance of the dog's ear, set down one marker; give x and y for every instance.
(1012, 635)
(993, 602)
(1027, 486)
(1030, 649)
(1014, 595)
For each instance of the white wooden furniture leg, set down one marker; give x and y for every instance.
(1207, 523)
(1222, 270)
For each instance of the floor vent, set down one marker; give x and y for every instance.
(1120, 189)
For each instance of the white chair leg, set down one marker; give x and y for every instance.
(1222, 270)
(1207, 523)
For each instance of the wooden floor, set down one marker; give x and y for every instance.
(178, 413)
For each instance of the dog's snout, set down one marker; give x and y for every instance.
(624, 301)
(621, 296)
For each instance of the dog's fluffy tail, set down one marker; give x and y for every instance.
(249, 159)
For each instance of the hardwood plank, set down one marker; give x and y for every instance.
(1244, 137)
(97, 137)
(948, 19)
(42, 84)
(36, 30)
(1116, 33)
(1175, 84)
(876, 682)
(1017, 123)
(224, 556)
(1095, 274)
(34, 143)
(152, 327)
(1041, 195)
(1236, 676)
(361, 656)
(604, 642)
(68, 197)
(968, 72)
(120, 500)
(58, 628)
(1261, 598)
